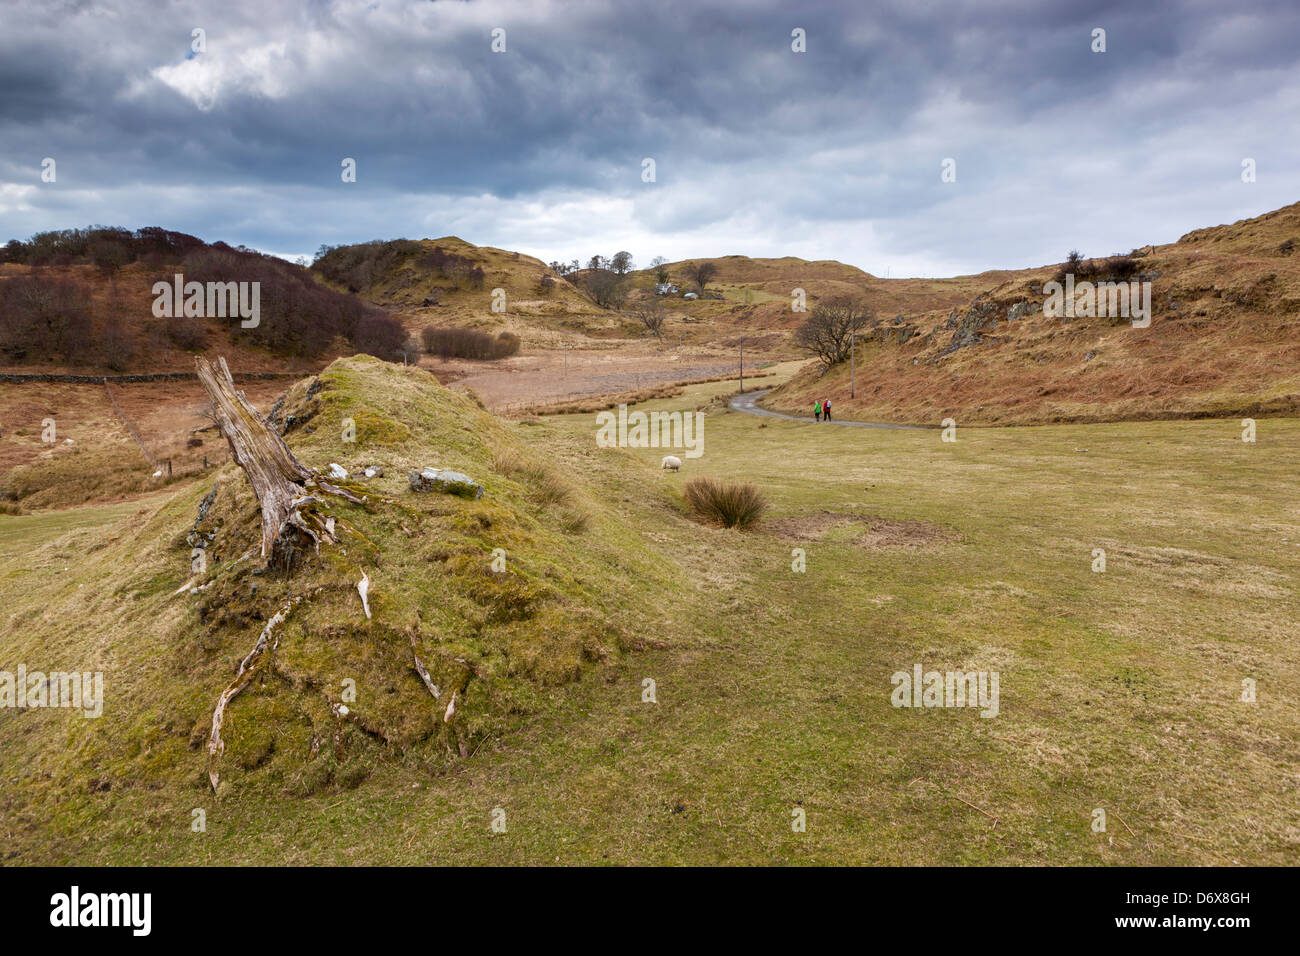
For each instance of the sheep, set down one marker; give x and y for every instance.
(672, 463)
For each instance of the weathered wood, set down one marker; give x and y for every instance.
(276, 475)
(424, 672)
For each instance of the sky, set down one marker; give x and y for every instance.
(239, 131)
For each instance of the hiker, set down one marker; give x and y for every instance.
(817, 409)
(826, 409)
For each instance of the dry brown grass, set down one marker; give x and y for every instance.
(546, 487)
(574, 521)
(608, 400)
(508, 463)
(78, 475)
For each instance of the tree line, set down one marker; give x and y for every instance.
(65, 318)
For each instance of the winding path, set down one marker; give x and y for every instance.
(747, 402)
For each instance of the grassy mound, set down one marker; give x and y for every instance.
(500, 599)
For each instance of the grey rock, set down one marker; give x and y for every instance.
(445, 481)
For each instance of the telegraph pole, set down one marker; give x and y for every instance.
(565, 346)
(853, 362)
(742, 365)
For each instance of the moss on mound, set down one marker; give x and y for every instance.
(499, 599)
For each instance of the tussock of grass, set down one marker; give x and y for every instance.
(574, 521)
(508, 463)
(545, 487)
(549, 488)
(732, 504)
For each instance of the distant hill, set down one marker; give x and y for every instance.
(1225, 304)
(449, 281)
(1222, 340)
(758, 293)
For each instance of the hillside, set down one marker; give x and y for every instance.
(777, 278)
(755, 297)
(450, 282)
(1225, 310)
(86, 301)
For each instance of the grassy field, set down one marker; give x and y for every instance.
(1120, 690)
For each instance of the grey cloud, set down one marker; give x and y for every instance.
(735, 121)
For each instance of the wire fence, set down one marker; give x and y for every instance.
(129, 427)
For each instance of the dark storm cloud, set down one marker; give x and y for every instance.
(833, 153)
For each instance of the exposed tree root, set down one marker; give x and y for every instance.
(248, 668)
(424, 673)
(335, 490)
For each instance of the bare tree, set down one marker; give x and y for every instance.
(701, 273)
(109, 257)
(651, 315)
(607, 288)
(116, 344)
(828, 330)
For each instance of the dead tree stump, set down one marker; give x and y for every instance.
(291, 517)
